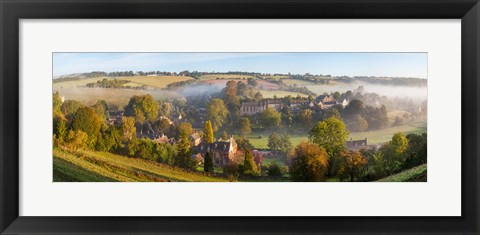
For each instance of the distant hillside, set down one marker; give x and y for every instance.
(87, 166)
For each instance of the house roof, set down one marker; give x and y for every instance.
(219, 146)
(355, 144)
(195, 136)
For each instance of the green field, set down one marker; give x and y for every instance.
(156, 81)
(280, 94)
(224, 76)
(87, 166)
(291, 82)
(385, 135)
(416, 174)
(150, 81)
(373, 137)
(116, 96)
(275, 77)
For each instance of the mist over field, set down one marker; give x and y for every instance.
(200, 89)
(415, 93)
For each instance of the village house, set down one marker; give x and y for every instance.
(195, 139)
(222, 152)
(297, 104)
(252, 108)
(115, 117)
(163, 139)
(355, 145)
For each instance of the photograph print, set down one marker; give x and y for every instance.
(239, 117)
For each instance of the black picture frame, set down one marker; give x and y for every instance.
(12, 11)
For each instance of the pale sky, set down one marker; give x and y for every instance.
(335, 64)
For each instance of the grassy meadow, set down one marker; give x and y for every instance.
(374, 137)
(89, 166)
(416, 174)
(224, 76)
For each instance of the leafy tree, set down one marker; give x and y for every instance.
(217, 113)
(87, 120)
(377, 118)
(273, 169)
(57, 102)
(242, 89)
(332, 112)
(128, 128)
(101, 108)
(330, 134)
(143, 108)
(165, 109)
(358, 124)
(110, 139)
(185, 128)
(355, 107)
(280, 145)
(394, 153)
(161, 125)
(310, 163)
(306, 117)
(208, 163)
(70, 107)
(258, 95)
(416, 153)
(270, 118)
(245, 126)
(208, 132)
(352, 165)
(75, 140)
(249, 166)
(166, 153)
(243, 143)
(184, 153)
(224, 135)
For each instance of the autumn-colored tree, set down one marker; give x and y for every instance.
(60, 128)
(208, 163)
(101, 108)
(249, 166)
(75, 140)
(217, 112)
(310, 163)
(143, 108)
(352, 165)
(128, 128)
(208, 132)
(399, 143)
(184, 128)
(57, 103)
(87, 120)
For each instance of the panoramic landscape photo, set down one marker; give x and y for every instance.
(239, 117)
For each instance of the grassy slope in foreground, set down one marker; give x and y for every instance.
(416, 174)
(88, 166)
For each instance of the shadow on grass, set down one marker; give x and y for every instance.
(64, 171)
